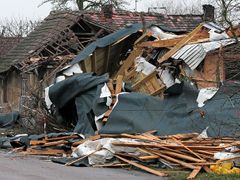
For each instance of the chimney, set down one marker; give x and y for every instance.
(108, 10)
(208, 12)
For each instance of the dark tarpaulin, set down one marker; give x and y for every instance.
(177, 114)
(8, 119)
(77, 99)
(107, 40)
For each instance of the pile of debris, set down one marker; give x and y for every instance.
(122, 86)
(144, 151)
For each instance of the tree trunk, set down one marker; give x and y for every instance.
(80, 4)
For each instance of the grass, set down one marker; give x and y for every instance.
(182, 175)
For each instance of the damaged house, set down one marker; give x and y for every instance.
(184, 69)
(31, 66)
(128, 89)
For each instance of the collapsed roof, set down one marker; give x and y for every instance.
(56, 35)
(61, 30)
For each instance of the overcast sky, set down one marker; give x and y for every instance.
(30, 9)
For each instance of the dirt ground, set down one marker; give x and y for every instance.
(15, 167)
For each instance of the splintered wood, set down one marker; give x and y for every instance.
(114, 93)
(186, 151)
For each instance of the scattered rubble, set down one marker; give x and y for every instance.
(144, 151)
(113, 92)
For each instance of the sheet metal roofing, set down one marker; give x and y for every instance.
(194, 54)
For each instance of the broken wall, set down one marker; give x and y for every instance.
(211, 73)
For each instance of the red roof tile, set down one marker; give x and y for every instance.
(183, 23)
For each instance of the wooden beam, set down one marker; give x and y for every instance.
(106, 61)
(83, 66)
(162, 145)
(119, 84)
(93, 62)
(195, 172)
(168, 158)
(180, 44)
(160, 43)
(182, 156)
(147, 78)
(129, 61)
(155, 172)
(148, 157)
(201, 37)
(49, 152)
(134, 54)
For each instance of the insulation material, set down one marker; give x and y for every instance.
(205, 94)
(104, 150)
(166, 77)
(105, 93)
(160, 34)
(74, 69)
(214, 36)
(47, 99)
(143, 66)
(225, 155)
(60, 78)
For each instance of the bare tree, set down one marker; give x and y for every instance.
(17, 27)
(85, 4)
(178, 7)
(227, 14)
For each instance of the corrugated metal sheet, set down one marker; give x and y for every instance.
(194, 54)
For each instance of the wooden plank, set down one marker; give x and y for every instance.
(83, 66)
(191, 151)
(172, 42)
(147, 78)
(142, 37)
(55, 143)
(181, 156)
(119, 84)
(180, 44)
(37, 142)
(161, 43)
(150, 87)
(64, 138)
(131, 74)
(129, 61)
(93, 62)
(204, 164)
(92, 138)
(148, 157)
(207, 169)
(107, 58)
(162, 145)
(195, 172)
(155, 172)
(112, 165)
(168, 158)
(110, 86)
(158, 91)
(48, 152)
